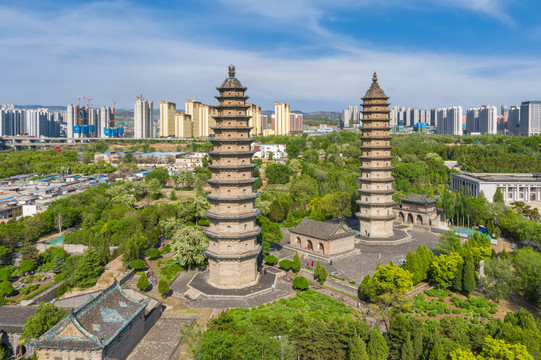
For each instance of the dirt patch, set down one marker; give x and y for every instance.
(503, 244)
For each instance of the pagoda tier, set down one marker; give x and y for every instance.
(233, 249)
(376, 203)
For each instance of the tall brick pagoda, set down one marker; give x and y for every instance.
(376, 202)
(233, 248)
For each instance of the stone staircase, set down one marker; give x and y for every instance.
(192, 294)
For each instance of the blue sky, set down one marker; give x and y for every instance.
(314, 55)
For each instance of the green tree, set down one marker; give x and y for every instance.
(527, 264)
(163, 287)
(443, 269)
(498, 196)
(296, 266)
(26, 266)
(46, 316)
(337, 205)
(58, 264)
(152, 253)
(407, 352)
(276, 212)
(187, 244)
(499, 280)
(143, 282)
(6, 289)
(377, 347)
(285, 264)
(270, 233)
(88, 269)
(173, 195)
(357, 349)
(366, 288)
(414, 264)
(160, 174)
(448, 241)
(469, 278)
(29, 253)
(457, 280)
(500, 349)
(293, 151)
(390, 280)
(320, 273)
(277, 173)
(4, 252)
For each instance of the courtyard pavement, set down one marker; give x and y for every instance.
(355, 266)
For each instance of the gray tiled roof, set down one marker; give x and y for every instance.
(12, 318)
(95, 324)
(321, 230)
(419, 199)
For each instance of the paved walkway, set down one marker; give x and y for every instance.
(162, 341)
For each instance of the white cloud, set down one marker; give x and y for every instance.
(107, 50)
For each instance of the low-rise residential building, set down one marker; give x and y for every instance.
(264, 151)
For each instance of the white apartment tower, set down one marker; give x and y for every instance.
(449, 121)
(142, 119)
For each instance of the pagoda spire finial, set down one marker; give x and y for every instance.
(375, 77)
(231, 71)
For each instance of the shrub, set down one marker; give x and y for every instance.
(143, 283)
(163, 287)
(26, 266)
(152, 253)
(300, 283)
(286, 264)
(160, 262)
(28, 289)
(440, 293)
(271, 260)
(432, 313)
(456, 311)
(203, 222)
(137, 264)
(166, 249)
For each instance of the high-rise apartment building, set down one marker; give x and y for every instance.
(35, 123)
(488, 119)
(449, 121)
(376, 203)
(344, 118)
(168, 112)
(202, 117)
(282, 119)
(472, 121)
(142, 119)
(405, 116)
(296, 122)
(107, 120)
(530, 118)
(183, 126)
(254, 112)
(513, 121)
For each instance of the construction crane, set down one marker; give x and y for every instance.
(114, 113)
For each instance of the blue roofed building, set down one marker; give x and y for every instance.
(107, 326)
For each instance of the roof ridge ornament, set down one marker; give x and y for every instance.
(231, 71)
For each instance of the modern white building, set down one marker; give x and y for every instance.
(513, 121)
(142, 119)
(263, 151)
(514, 187)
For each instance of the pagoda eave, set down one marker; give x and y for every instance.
(223, 153)
(376, 168)
(231, 167)
(237, 236)
(232, 182)
(375, 204)
(383, 192)
(229, 216)
(375, 217)
(233, 257)
(212, 197)
(224, 128)
(242, 140)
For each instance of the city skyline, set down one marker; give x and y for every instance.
(311, 55)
